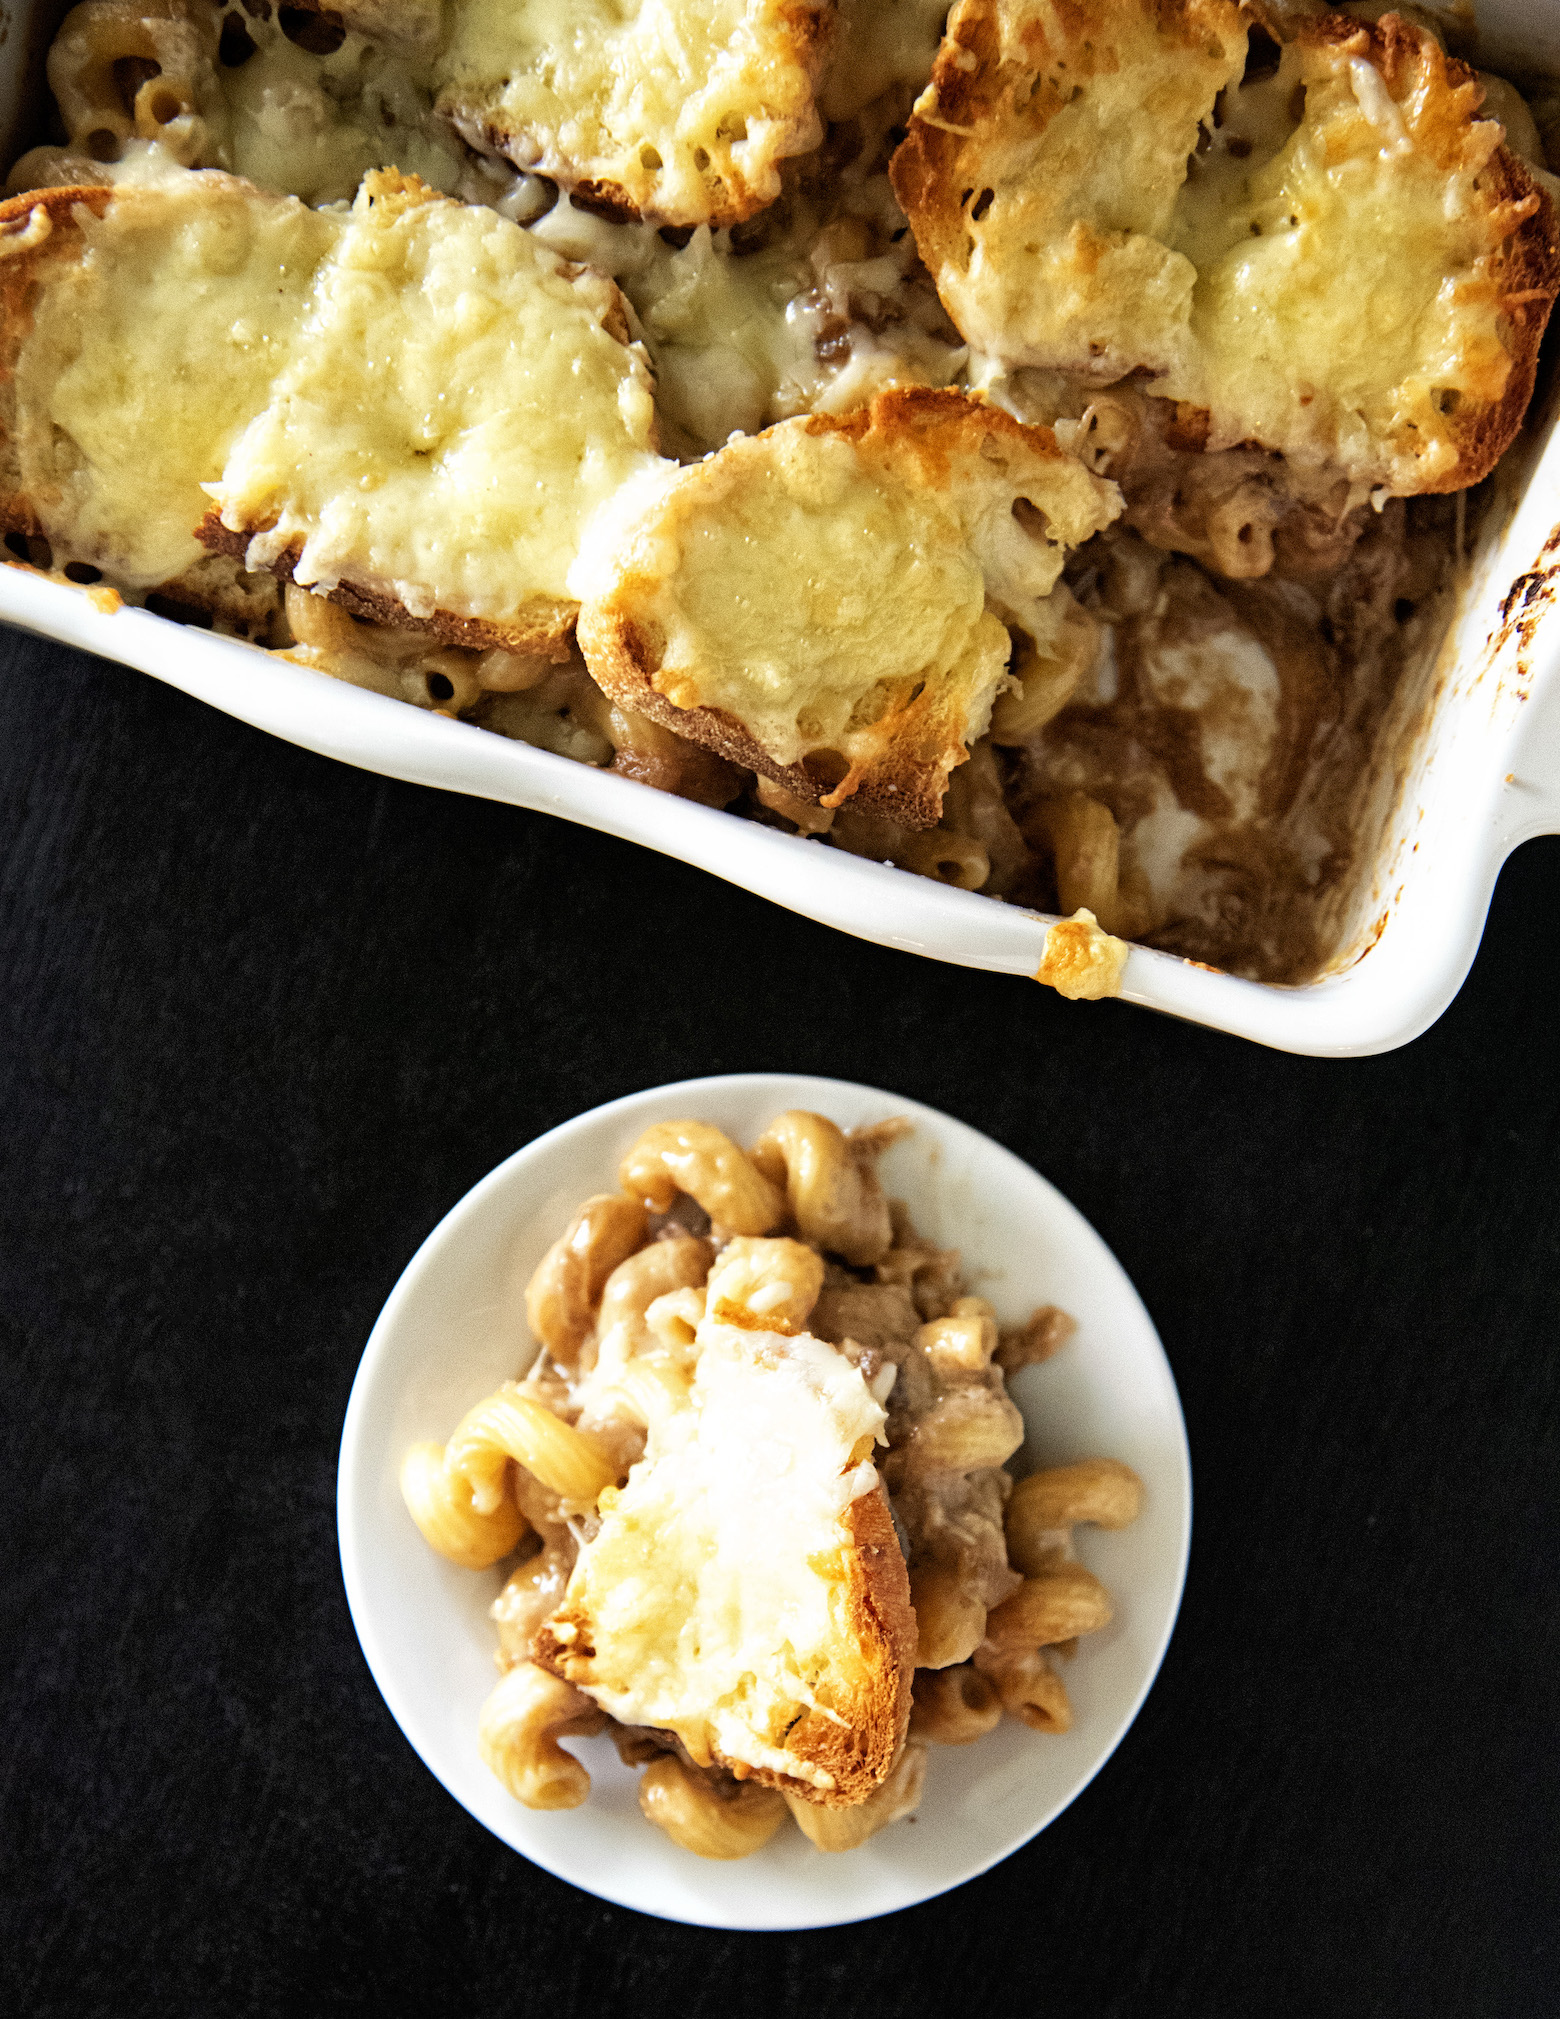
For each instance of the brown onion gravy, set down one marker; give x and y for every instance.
(1233, 728)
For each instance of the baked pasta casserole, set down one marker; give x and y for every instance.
(755, 1499)
(1031, 445)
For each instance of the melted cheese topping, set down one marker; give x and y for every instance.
(1309, 258)
(811, 583)
(453, 412)
(793, 583)
(167, 333)
(684, 107)
(1082, 961)
(1339, 312)
(1058, 255)
(879, 44)
(714, 1588)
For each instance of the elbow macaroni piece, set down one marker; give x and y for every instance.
(509, 1424)
(710, 1822)
(703, 1161)
(946, 857)
(961, 1345)
(561, 1298)
(673, 1320)
(1065, 1600)
(664, 1269)
(1101, 1490)
(965, 1430)
(440, 1502)
(1030, 1689)
(833, 1196)
(125, 70)
(950, 1618)
(1085, 843)
(771, 1283)
(1048, 676)
(518, 1733)
(845, 1829)
(955, 1706)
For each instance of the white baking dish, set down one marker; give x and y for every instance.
(1478, 766)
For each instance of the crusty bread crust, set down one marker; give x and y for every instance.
(623, 665)
(38, 233)
(943, 161)
(24, 270)
(1527, 263)
(875, 1666)
(929, 432)
(993, 91)
(627, 177)
(544, 629)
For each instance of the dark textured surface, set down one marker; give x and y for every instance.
(266, 1018)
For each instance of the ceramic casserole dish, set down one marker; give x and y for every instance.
(1472, 770)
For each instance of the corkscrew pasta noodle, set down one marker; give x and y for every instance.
(705, 1163)
(512, 1425)
(709, 1822)
(518, 1733)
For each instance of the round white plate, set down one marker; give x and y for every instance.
(454, 1327)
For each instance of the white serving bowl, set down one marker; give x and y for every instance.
(454, 1328)
(1478, 771)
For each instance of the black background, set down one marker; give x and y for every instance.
(266, 1018)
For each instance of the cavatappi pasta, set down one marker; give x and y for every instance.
(1185, 756)
(793, 1237)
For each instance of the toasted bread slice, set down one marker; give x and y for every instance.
(676, 110)
(745, 1589)
(495, 402)
(139, 329)
(1322, 247)
(827, 602)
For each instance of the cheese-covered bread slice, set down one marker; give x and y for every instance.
(745, 1590)
(456, 405)
(828, 602)
(1322, 247)
(675, 110)
(141, 329)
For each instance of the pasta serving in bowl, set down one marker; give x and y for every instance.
(745, 1529)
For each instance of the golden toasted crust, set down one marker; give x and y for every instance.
(1007, 68)
(875, 1664)
(594, 103)
(624, 666)
(544, 630)
(311, 485)
(38, 233)
(880, 1617)
(1525, 265)
(1081, 961)
(1045, 175)
(950, 473)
